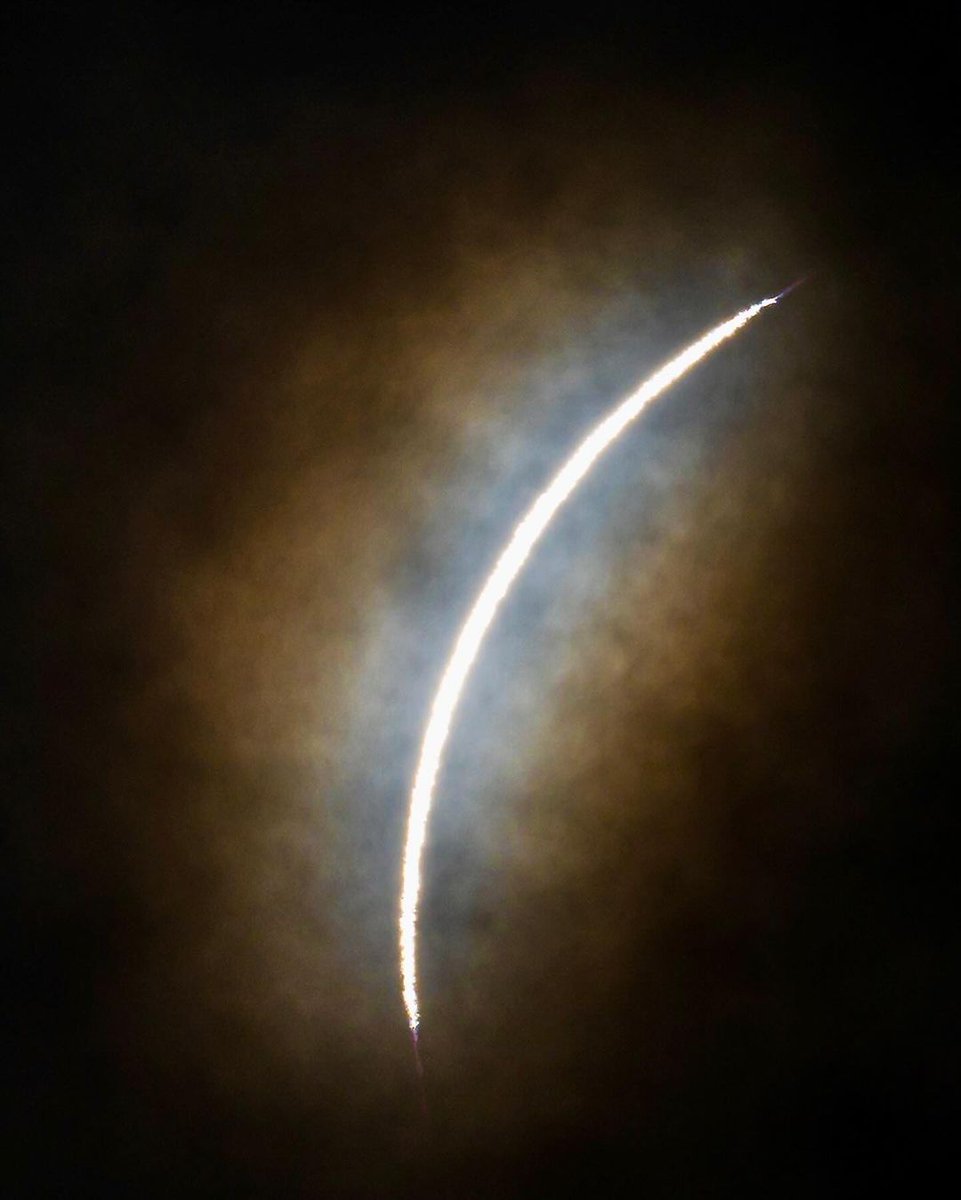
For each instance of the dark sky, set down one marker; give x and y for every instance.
(303, 309)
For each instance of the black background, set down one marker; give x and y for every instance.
(302, 307)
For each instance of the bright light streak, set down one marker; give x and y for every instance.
(523, 540)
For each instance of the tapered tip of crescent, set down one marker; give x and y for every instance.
(790, 288)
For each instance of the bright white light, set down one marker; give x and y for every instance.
(523, 540)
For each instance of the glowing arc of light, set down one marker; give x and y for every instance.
(525, 537)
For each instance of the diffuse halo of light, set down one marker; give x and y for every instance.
(525, 537)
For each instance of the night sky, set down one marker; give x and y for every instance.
(303, 309)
